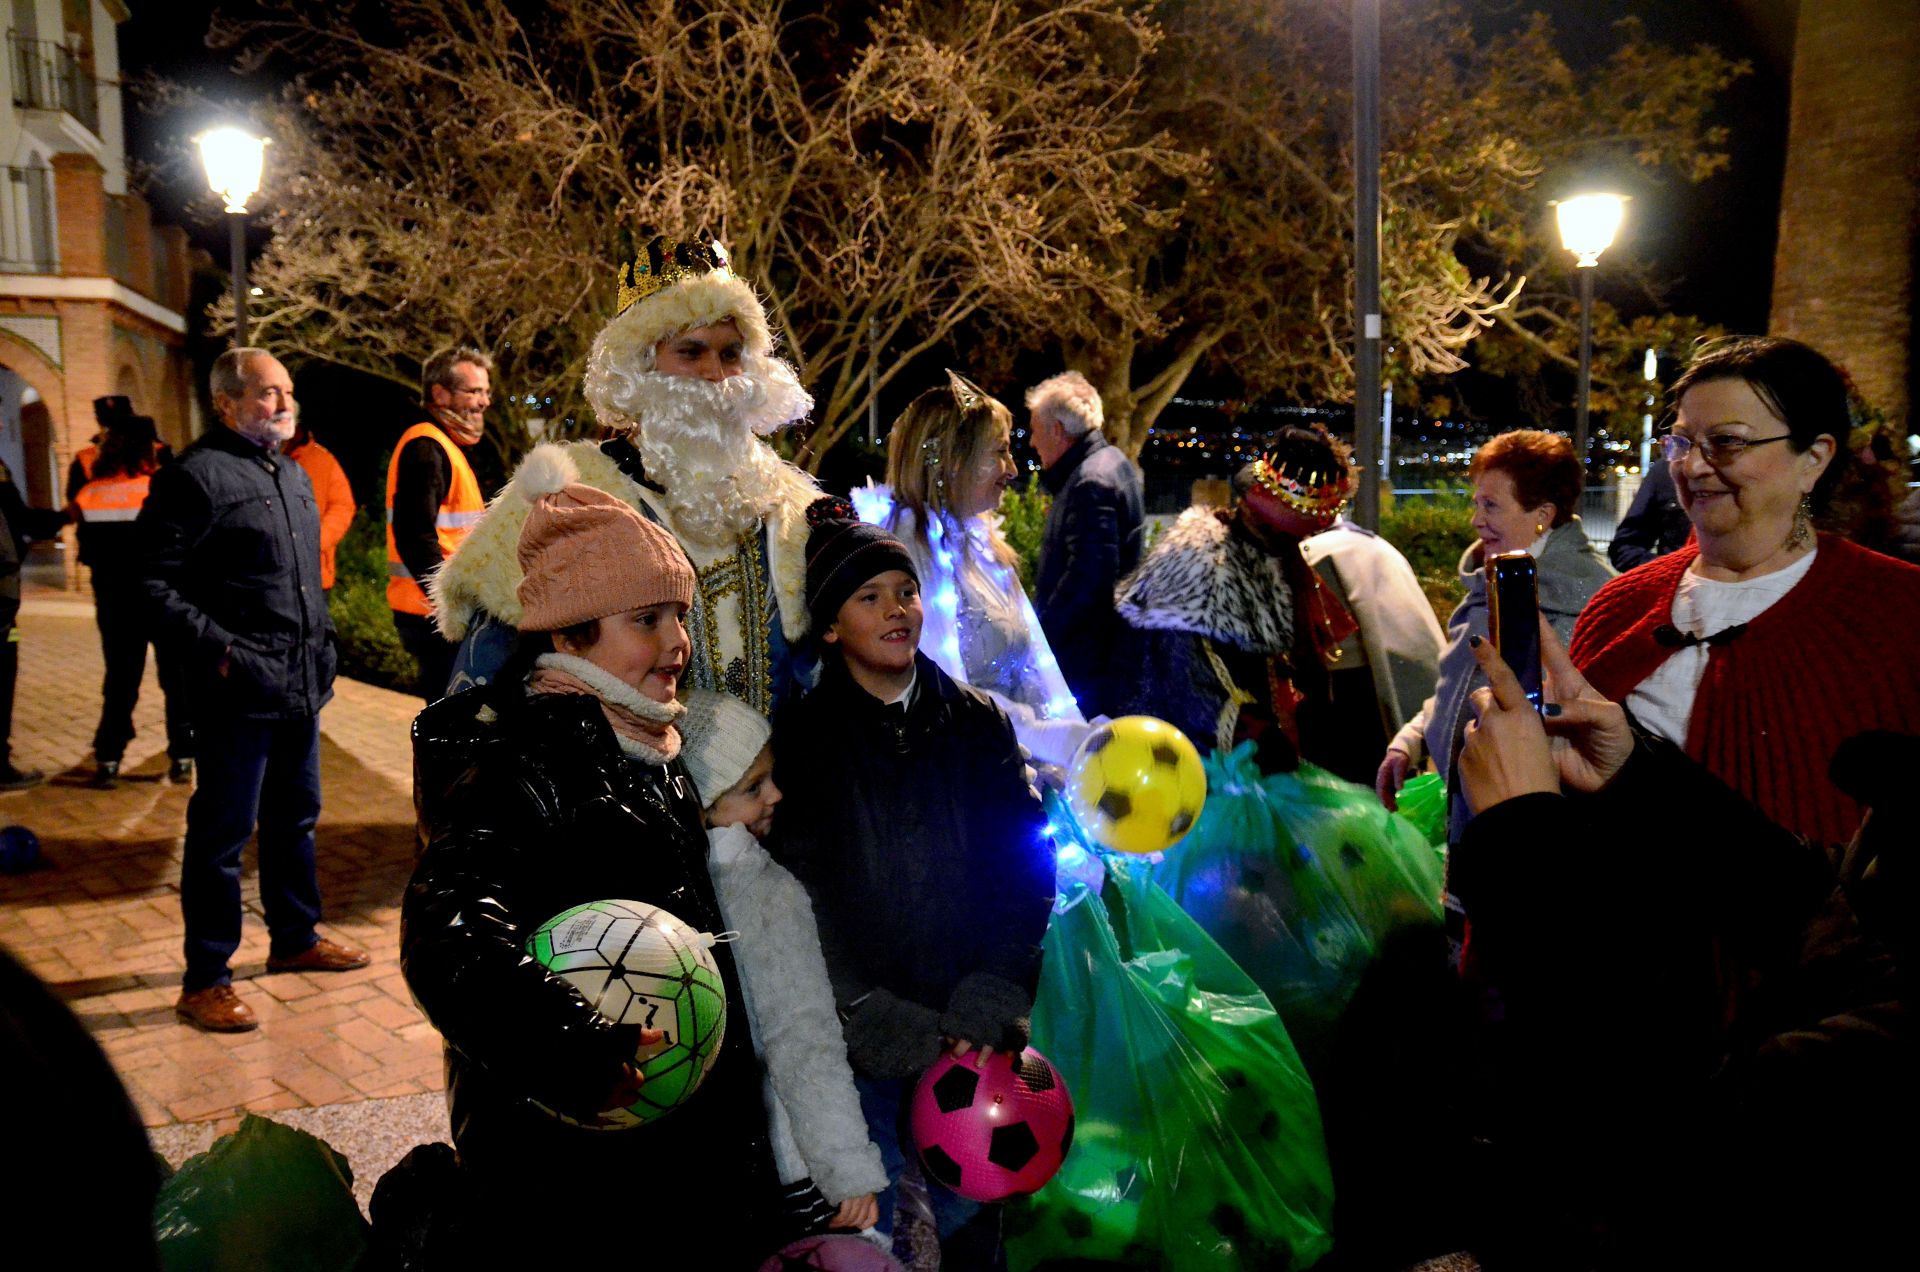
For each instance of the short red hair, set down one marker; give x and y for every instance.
(1541, 466)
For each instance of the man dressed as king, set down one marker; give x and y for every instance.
(685, 379)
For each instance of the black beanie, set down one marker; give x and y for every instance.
(843, 552)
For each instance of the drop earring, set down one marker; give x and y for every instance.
(1802, 525)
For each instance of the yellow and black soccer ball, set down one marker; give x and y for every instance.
(1136, 785)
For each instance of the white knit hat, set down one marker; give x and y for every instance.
(721, 736)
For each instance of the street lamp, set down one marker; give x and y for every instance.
(233, 158)
(1587, 226)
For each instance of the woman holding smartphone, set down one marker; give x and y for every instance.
(1526, 485)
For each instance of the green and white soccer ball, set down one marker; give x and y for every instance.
(639, 965)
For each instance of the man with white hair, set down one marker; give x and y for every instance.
(231, 568)
(685, 377)
(1093, 530)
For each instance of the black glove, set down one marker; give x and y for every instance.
(892, 1037)
(988, 1011)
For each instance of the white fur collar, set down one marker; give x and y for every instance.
(485, 573)
(1200, 579)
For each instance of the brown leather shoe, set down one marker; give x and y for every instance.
(218, 1009)
(324, 956)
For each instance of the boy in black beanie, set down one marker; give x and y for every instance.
(911, 822)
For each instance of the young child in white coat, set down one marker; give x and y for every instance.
(829, 1169)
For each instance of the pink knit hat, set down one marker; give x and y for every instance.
(585, 554)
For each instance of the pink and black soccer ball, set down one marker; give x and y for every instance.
(994, 1131)
(843, 1253)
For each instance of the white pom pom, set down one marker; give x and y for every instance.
(547, 469)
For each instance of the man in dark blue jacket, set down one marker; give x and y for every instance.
(232, 568)
(1093, 531)
(1654, 526)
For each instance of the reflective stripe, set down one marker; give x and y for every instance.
(458, 520)
(397, 570)
(108, 514)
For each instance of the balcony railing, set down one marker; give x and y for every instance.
(47, 76)
(26, 221)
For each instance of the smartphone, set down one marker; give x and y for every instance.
(1513, 602)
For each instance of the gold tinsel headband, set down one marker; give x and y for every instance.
(666, 261)
(1315, 494)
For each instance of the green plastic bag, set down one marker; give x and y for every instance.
(1197, 1142)
(266, 1196)
(1423, 801)
(1299, 877)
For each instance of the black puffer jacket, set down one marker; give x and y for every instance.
(528, 807)
(916, 834)
(230, 540)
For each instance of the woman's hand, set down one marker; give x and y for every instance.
(1505, 753)
(856, 1213)
(1391, 777)
(1597, 739)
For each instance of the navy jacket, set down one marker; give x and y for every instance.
(230, 562)
(1092, 541)
(1654, 526)
(915, 834)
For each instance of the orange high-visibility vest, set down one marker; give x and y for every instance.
(458, 514)
(115, 498)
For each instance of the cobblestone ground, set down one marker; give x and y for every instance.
(101, 921)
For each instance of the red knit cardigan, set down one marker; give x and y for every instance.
(1836, 656)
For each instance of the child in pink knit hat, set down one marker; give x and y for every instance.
(556, 785)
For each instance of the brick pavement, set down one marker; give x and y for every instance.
(102, 922)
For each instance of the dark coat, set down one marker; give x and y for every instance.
(916, 835)
(528, 807)
(1092, 541)
(231, 563)
(1654, 526)
(1704, 1049)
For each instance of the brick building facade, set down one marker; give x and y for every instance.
(92, 293)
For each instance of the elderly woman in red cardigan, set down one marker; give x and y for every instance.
(1764, 646)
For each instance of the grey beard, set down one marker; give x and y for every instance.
(269, 432)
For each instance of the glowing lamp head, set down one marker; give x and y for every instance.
(233, 159)
(1588, 224)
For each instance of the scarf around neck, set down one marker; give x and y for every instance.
(455, 427)
(643, 728)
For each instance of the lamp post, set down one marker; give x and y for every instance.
(1587, 226)
(1367, 417)
(1649, 371)
(233, 158)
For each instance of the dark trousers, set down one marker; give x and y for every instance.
(9, 673)
(265, 771)
(125, 632)
(430, 649)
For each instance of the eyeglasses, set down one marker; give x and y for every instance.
(1718, 449)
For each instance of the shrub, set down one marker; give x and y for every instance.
(1432, 532)
(1023, 519)
(370, 648)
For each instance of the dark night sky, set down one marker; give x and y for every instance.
(1714, 242)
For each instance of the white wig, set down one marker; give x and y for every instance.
(1070, 399)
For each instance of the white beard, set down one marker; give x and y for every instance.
(702, 442)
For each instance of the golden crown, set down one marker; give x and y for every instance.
(1313, 494)
(666, 261)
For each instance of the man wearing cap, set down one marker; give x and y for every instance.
(433, 500)
(685, 378)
